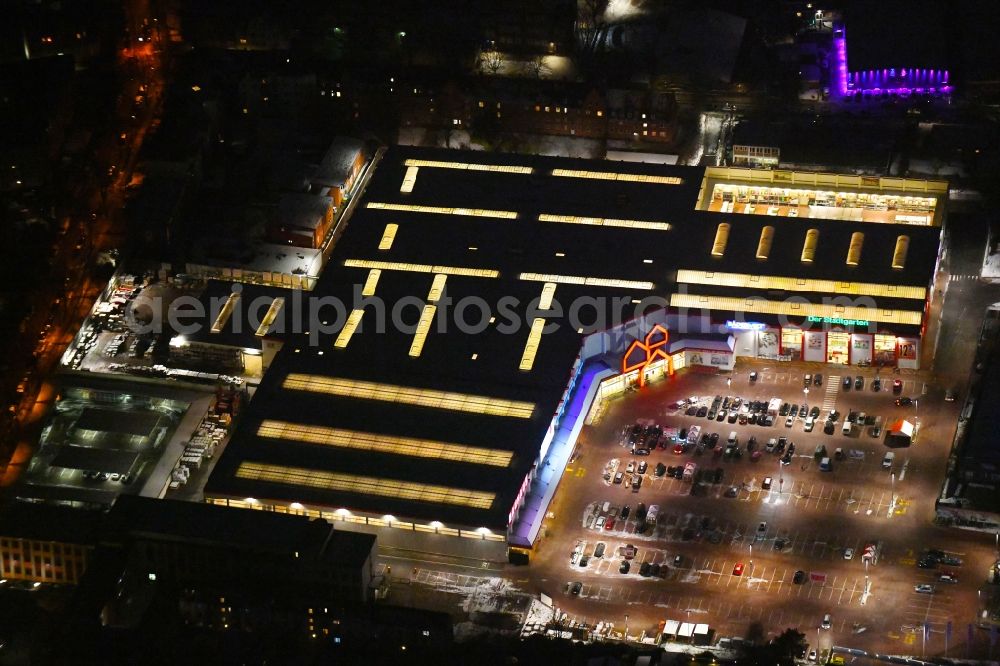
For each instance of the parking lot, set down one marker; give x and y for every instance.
(734, 572)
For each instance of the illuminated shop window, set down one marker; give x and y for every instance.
(763, 306)
(764, 244)
(370, 282)
(430, 398)
(364, 485)
(854, 251)
(626, 177)
(270, 316)
(444, 210)
(351, 325)
(383, 443)
(421, 268)
(721, 240)
(799, 284)
(227, 310)
(809, 246)
(409, 180)
(589, 281)
(423, 328)
(604, 222)
(468, 166)
(548, 293)
(531, 345)
(437, 287)
(388, 236)
(899, 253)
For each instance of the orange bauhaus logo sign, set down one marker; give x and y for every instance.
(643, 353)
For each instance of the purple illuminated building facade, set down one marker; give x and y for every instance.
(902, 82)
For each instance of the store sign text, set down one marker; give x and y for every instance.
(838, 320)
(745, 325)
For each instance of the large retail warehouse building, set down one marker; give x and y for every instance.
(455, 436)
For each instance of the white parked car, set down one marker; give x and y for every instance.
(848, 553)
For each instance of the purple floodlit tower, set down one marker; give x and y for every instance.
(888, 81)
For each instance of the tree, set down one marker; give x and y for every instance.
(784, 649)
(493, 60)
(537, 67)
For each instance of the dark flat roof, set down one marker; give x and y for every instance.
(95, 460)
(980, 446)
(240, 329)
(135, 424)
(256, 530)
(30, 520)
(486, 362)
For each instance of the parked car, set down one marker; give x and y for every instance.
(897, 386)
(818, 379)
(624, 567)
(876, 385)
(766, 483)
(618, 478)
(732, 491)
(660, 469)
(904, 402)
(753, 376)
(859, 382)
(924, 588)
(847, 383)
(599, 550)
(848, 553)
(799, 577)
(738, 569)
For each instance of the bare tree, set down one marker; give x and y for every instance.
(493, 60)
(537, 67)
(590, 13)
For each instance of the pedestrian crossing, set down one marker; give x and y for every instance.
(959, 278)
(832, 389)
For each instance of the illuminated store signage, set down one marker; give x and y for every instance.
(838, 320)
(745, 325)
(641, 354)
